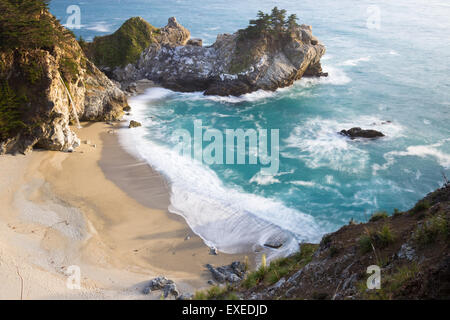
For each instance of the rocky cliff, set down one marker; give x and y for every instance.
(411, 249)
(47, 84)
(235, 64)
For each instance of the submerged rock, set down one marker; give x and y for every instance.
(357, 132)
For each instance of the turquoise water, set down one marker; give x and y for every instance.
(398, 73)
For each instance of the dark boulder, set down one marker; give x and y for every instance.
(232, 273)
(354, 133)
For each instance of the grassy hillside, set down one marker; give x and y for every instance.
(412, 250)
(123, 46)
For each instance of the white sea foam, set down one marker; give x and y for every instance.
(304, 183)
(336, 77)
(355, 62)
(263, 180)
(318, 143)
(101, 26)
(421, 151)
(226, 218)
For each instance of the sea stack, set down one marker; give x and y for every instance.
(235, 64)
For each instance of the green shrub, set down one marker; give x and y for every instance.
(421, 206)
(11, 107)
(378, 216)
(397, 212)
(27, 24)
(385, 236)
(216, 293)
(280, 267)
(69, 69)
(200, 295)
(380, 239)
(432, 228)
(365, 244)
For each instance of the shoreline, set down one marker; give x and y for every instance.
(101, 209)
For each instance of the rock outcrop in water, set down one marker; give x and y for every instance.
(354, 133)
(235, 64)
(47, 83)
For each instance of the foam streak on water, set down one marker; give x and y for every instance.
(226, 218)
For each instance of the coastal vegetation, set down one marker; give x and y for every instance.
(36, 52)
(274, 24)
(432, 229)
(26, 24)
(259, 34)
(411, 250)
(123, 46)
(378, 216)
(279, 268)
(10, 111)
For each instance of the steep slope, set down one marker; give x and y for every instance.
(46, 82)
(412, 250)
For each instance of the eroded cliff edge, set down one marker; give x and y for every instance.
(235, 64)
(411, 251)
(47, 82)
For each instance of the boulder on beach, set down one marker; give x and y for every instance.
(276, 241)
(232, 273)
(357, 132)
(134, 124)
(162, 283)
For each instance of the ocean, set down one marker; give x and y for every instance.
(388, 65)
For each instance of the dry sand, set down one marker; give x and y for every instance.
(97, 208)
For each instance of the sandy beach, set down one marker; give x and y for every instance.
(97, 208)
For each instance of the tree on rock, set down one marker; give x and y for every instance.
(278, 19)
(274, 23)
(292, 22)
(260, 25)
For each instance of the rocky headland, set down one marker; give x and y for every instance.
(47, 83)
(264, 56)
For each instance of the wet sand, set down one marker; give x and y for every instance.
(98, 208)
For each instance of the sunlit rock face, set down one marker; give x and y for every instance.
(233, 65)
